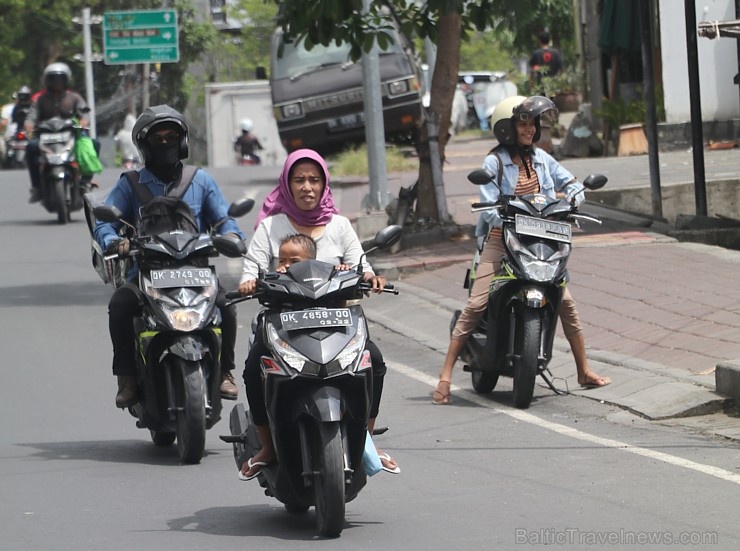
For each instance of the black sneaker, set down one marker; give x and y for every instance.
(35, 196)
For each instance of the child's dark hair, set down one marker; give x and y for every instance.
(304, 241)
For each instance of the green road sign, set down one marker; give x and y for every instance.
(148, 36)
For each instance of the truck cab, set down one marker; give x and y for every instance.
(317, 95)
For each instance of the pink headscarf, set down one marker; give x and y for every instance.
(280, 199)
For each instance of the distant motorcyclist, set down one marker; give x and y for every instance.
(22, 106)
(56, 100)
(247, 144)
(161, 135)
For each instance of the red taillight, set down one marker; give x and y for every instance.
(20, 135)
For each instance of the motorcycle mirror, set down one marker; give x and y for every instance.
(595, 181)
(388, 236)
(241, 207)
(107, 213)
(229, 245)
(480, 177)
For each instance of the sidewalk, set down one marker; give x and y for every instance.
(658, 315)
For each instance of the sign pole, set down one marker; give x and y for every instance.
(89, 86)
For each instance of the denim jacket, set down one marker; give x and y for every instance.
(552, 177)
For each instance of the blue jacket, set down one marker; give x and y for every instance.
(203, 196)
(552, 177)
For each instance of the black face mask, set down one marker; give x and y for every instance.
(164, 161)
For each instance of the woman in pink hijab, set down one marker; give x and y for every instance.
(301, 203)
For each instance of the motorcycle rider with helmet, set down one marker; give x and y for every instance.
(247, 144)
(519, 168)
(22, 106)
(161, 135)
(56, 100)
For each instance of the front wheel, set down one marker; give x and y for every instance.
(191, 412)
(60, 199)
(527, 348)
(328, 464)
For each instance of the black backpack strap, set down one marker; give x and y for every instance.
(186, 178)
(142, 192)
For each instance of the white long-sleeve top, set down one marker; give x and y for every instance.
(338, 244)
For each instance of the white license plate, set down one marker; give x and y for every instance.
(181, 277)
(55, 137)
(311, 319)
(538, 227)
(346, 122)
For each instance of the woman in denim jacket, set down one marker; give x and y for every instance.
(521, 169)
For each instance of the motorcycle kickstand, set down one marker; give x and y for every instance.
(544, 374)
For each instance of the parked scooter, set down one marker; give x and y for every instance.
(318, 387)
(15, 150)
(61, 190)
(178, 334)
(515, 338)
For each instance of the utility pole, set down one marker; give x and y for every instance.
(88, 58)
(374, 126)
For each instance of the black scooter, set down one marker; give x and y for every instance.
(515, 337)
(177, 334)
(61, 188)
(318, 387)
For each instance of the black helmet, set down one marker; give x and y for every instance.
(23, 95)
(57, 70)
(518, 107)
(154, 116)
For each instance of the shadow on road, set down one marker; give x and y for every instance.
(57, 294)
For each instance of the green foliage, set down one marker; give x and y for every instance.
(618, 112)
(566, 82)
(353, 162)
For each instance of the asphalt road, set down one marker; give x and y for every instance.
(75, 473)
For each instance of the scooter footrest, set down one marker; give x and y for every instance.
(467, 368)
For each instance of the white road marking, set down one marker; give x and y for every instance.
(522, 415)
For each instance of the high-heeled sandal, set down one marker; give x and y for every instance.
(440, 398)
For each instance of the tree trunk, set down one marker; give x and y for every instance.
(444, 83)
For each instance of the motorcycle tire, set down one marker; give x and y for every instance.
(527, 347)
(60, 200)
(163, 439)
(191, 411)
(328, 483)
(483, 381)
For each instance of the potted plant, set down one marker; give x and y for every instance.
(563, 89)
(626, 118)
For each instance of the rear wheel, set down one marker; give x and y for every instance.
(484, 381)
(527, 347)
(191, 412)
(328, 464)
(61, 202)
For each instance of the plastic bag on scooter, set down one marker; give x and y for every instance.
(87, 157)
(370, 459)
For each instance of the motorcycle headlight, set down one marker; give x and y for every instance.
(351, 354)
(539, 270)
(184, 307)
(290, 355)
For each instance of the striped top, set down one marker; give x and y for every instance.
(524, 186)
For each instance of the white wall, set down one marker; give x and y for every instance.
(229, 103)
(718, 62)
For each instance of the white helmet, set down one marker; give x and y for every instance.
(518, 107)
(246, 125)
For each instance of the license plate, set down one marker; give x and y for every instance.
(537, 227)
(54, 137)
(311, 319)
(181, 277)
(346, 122)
